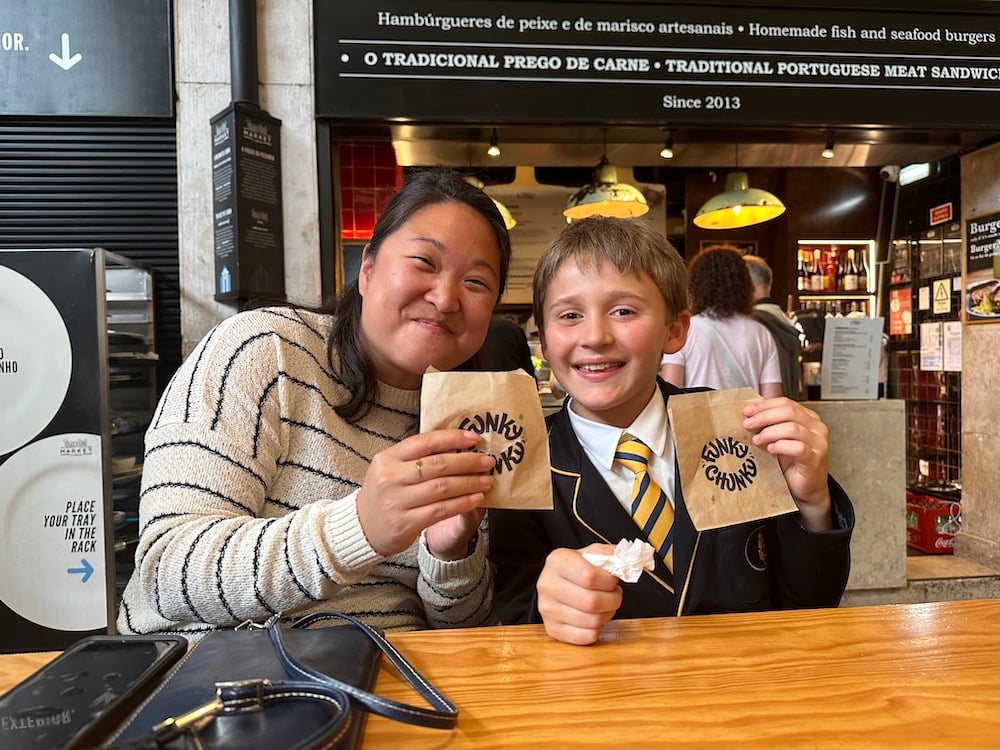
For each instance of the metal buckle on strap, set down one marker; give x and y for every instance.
(230, 697)
(241, 696)
(253, 625)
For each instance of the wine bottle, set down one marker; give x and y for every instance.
(803, 283)
(862, 272)
(830, 271)
(850, 272)
(816, 272)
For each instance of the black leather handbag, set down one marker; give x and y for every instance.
(263, 687)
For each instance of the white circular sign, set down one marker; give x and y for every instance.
(52, 541)
(36, 360)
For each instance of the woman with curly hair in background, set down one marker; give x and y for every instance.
(725, 347)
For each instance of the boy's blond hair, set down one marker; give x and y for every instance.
(630, 245)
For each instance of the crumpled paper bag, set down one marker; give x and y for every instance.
(504, 408)
(627, 562)
(725, 478)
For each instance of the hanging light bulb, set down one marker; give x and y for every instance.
(739, 206)
(606, 196)
(827, 152)
(494, 149)
(667, 152)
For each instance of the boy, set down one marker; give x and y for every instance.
(609, 299)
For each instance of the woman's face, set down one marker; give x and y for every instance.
(429, 293)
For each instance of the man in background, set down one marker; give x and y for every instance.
(773, 318)
(506, 347)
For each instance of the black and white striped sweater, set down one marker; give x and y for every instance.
(248, 495)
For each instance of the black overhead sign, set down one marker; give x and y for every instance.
(86, 57)
(650, 64)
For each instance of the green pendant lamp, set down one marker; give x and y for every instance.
(739, 206)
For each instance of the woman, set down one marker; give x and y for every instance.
(282, 470)
(725, 347)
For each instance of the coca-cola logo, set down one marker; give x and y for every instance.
(944, 542)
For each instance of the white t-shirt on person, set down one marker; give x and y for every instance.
(749, 343)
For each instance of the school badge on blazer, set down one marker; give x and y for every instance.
(754, 551)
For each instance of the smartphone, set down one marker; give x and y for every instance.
(79, 697)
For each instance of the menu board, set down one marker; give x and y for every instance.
(852, 350)
(680, 62)
(981, 293)
(54, 509)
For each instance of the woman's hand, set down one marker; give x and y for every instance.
(800, 440)
(429, 481)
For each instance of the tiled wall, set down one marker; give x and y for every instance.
(369, 177)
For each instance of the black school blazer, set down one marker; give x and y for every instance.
(762, 565)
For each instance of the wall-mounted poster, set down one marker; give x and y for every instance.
(982, 269)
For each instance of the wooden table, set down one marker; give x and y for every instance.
(921, 675)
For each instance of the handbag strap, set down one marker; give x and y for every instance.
(249, 696)
(442, 715)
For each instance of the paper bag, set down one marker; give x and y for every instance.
(504, 408)
(725, 478)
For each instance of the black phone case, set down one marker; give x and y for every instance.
(79, 697)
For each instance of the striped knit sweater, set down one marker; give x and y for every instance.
(248, 503)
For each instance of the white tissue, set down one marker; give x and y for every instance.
(628, 561)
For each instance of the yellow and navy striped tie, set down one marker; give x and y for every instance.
(650, 507)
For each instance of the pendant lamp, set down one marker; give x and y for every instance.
(508, 218)
(606, 196)
(739, 206)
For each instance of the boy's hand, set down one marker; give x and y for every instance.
(800, 440)
(576, 598)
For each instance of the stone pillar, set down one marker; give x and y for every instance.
(979, 539)
(868, 459)
(285, 43)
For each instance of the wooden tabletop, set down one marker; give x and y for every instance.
(917, 675)
(920, 675)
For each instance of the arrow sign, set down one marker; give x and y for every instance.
(87, 569)
(66, 61)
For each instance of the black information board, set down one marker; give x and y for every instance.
(246, 204)
(86, 57)
(650, 64)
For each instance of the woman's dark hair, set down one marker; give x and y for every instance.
(422, 188)
(719, 283)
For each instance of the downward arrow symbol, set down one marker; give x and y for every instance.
(66, 61)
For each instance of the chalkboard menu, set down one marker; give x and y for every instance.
(655, 63)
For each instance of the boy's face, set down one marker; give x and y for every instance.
(603, 337)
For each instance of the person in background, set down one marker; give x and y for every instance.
(609, 298)
(506, 347)
(725, 347)
(785, 334)
(283, 472)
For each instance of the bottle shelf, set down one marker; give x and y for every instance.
(835, 295)
(826, 267)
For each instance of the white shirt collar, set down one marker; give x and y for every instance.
(600, 441)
